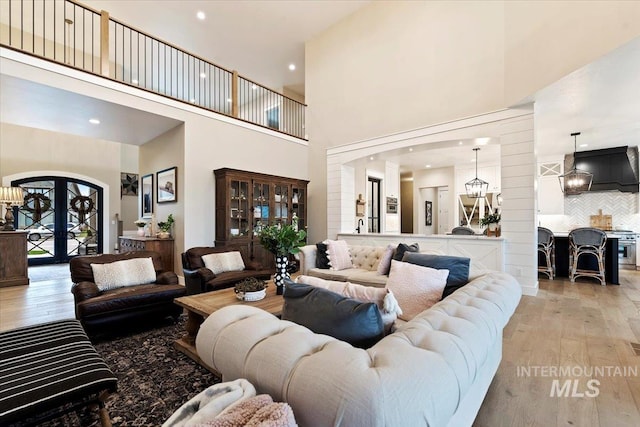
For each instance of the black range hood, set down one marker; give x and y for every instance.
(612, 168)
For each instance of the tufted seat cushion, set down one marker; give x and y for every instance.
(419, 375)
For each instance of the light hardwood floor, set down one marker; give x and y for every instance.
(578, 326)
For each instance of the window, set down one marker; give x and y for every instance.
(273, 117)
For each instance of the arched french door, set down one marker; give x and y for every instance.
(63, 218)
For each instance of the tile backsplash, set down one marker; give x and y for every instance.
(623, 207)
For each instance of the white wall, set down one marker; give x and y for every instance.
(210, 142)
(396, 66)
(24, 150)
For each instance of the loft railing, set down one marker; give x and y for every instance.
(72, 34)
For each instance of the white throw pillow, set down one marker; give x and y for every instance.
(223, 262)
(415, 287)
(128, 272)
(385, 261)
(338, 254)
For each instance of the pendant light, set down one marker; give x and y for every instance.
(476, 188)
(575, 181)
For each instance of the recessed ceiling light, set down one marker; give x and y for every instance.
(482, 141)
(228, 99)
(201, 15)
(134, 81)
(94, 121)
(473, 160)
(459, 142)
(584, 145)
(427, 166)
(292, 67)
(371, 158)
(254, 87)
(410, 149)
(203, 75)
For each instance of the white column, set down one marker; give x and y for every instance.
(341, 198)
(519, 207)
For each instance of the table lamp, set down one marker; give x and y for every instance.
(10, 196)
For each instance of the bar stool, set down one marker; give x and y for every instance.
(587, 241)
(463, 231)
(547, 245)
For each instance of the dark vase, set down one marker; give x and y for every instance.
(282, 262)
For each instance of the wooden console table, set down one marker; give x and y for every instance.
(163, 246)
(13, 258)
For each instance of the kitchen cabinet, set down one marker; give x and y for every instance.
(550, 196)
(13, 258)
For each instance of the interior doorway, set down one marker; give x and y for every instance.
(374, 196)
(443, 218)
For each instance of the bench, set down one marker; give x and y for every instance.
(48, 370)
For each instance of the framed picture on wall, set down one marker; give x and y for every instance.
(128, 184)
(167, 180)
(428, 213)
(146, 202)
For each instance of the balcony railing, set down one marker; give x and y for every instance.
(72, 34)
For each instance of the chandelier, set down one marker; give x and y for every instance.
(476, 188)
(575, 181)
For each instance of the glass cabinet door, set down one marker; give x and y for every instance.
(239, 202)
(261, 211)
(281, 202)
(298, 206)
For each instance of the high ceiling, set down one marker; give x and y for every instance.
(258, 39)
(601, 100)
(261, 38)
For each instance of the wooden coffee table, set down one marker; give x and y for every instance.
(200, 306)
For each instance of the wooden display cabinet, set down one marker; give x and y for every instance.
(246, 201)
(13, 258)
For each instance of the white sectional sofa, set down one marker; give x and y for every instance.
(365, 261)
(432, 371)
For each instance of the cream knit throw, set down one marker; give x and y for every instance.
(210, 403)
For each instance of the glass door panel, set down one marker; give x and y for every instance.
(62, 217)
(239, 223)
(281, 200)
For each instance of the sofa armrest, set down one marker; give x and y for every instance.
(167, 278)
(253, 265)
(84, 290)
(195, 280)
(307, 257)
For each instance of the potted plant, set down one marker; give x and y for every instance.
(492, 221)
(251, 289)
(140, 223)
(165, 227)
(281, 240)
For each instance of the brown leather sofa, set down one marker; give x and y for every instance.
(198, 278)
(95, 309)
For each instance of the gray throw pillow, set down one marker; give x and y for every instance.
(328, 313)
(322, 260)
(458, 268)
(402, 248)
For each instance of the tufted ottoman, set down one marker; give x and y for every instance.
(50, 369)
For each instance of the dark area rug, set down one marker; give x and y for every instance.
(154, 379)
